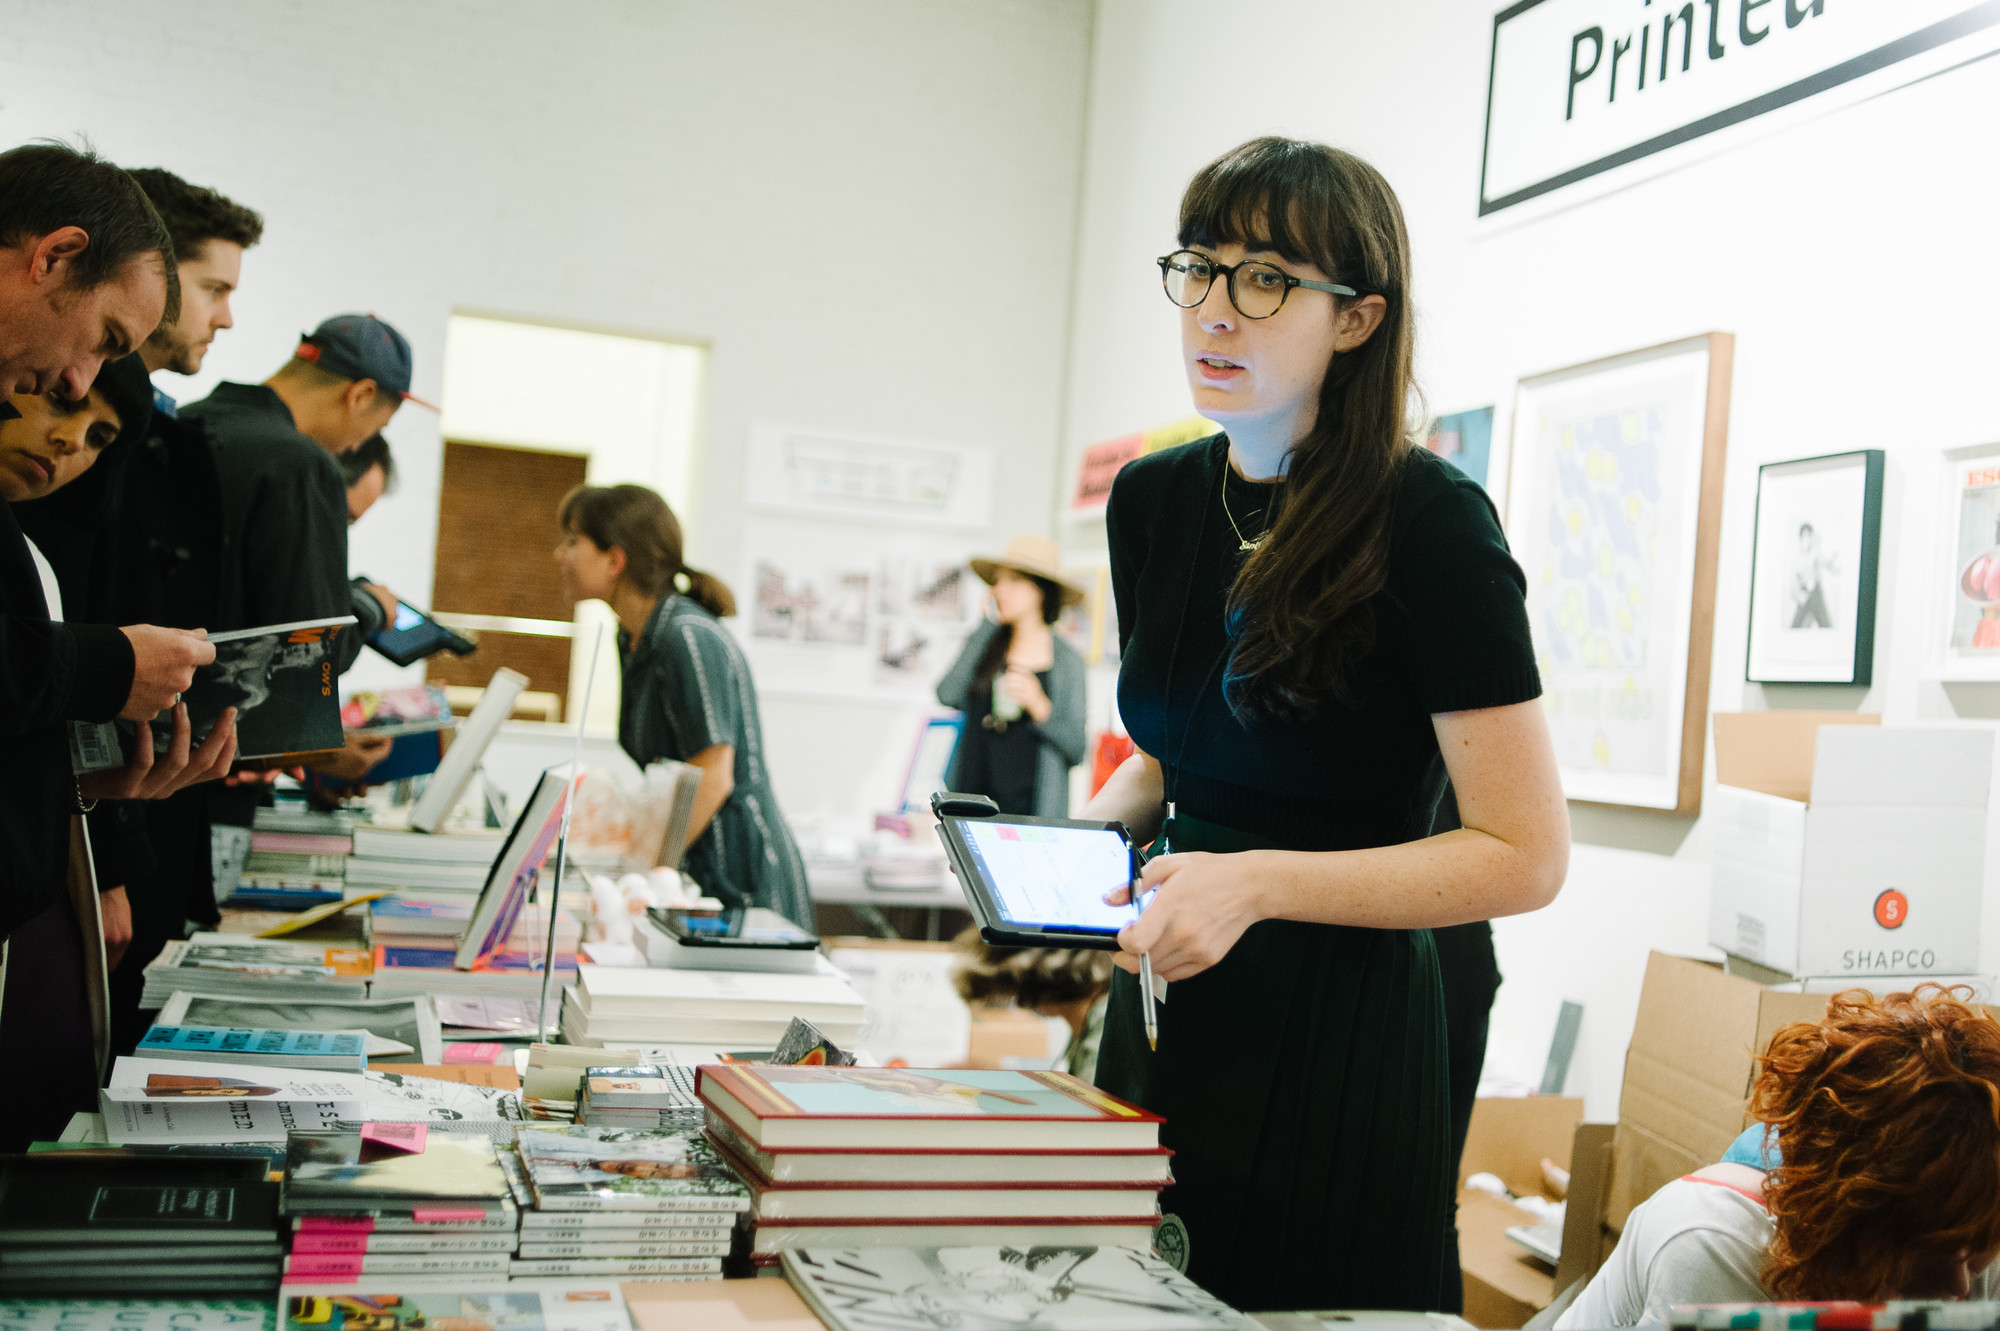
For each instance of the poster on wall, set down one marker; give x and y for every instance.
(1967, 578)
(1099, 464)
(849, 611)
(1614, 508)
(1813, 566)
(843, 475)
(1465, 439)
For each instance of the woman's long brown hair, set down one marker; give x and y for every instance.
(1300, 616)
(1888, 1121)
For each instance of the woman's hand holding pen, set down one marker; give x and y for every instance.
(1199, 905)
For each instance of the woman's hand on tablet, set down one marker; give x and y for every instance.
(1197, 906)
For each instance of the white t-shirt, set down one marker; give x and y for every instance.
(51, 591)
(1693, 1241)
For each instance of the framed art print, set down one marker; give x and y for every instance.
(1614, 509)
(1965, 582)
(1812, 580)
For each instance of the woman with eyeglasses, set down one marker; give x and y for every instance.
(1321, 622)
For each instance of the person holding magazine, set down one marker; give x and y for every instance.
(60, 457)
(687, 691)
(1320, 622)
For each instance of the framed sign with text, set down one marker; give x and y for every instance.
(1602, 90)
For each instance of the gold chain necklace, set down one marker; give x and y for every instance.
(1243, 543)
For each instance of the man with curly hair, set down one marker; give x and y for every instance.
(1885, 1182)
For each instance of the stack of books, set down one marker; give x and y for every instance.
(154, 1226)
(607, 1201)
(235, 966)
(639, 1097)
(611, 1007)
(326, 1051)
(186, 1102)
(850, 1157)
(433, 866)
(368, 1205)
(409, 971)
(420, 920)
(298, 859)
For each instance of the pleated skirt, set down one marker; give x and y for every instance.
(1303, 1084)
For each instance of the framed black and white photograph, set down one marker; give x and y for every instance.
(1812, 586)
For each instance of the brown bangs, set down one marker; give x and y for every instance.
(1270, 194)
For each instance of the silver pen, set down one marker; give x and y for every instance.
(1145, 967)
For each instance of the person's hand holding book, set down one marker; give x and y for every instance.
(163, 666)
(145, 777)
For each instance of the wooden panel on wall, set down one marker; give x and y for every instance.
(496, 529)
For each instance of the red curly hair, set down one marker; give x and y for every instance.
(1888, 1120)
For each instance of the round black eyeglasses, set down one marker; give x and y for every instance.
(1259, 294)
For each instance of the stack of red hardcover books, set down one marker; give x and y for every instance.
(847, 1157)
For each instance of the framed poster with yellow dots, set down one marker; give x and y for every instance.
(1613, 506)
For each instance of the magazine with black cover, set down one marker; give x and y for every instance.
(1040, 882)
(281, 680)
(135, 1201)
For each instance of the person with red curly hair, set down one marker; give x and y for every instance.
(1885, 1182)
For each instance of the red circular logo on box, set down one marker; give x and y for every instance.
(1891, 909)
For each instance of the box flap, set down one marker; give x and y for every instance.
(1515, 1285)
(1904, 766)
(1773, 751)
(1511, 1135)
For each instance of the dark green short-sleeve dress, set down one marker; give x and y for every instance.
(687, 688)
(1303, 1078)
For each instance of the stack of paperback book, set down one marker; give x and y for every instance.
(233, 966)
(421, 920)
(613, 1006)
(156, 1226)
(186, 1102)
(851, 1157)
(639, 1097)
(297, 859)
(434, 866)
(607, 1201)
(401, 1202)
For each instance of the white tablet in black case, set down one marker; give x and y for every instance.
(1040, 882)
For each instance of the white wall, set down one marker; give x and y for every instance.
(1852, 257)
(812, 190)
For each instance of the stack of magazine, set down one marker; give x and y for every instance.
(411, 1203)
(651, 1096)
(606, 1201)
(156, 1226)
(233, 965)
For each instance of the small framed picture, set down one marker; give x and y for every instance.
(1812, 585)
(1965, 582)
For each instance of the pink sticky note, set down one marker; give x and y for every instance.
(306, 1243)
(439, 1215)
(339, 1268)
(467, 1052)
(405, 1137)
(327, 1224)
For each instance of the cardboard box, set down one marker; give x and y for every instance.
(1846, 849)
(1688, 1073)
(1504, 1286)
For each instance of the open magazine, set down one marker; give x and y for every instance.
(281, 679)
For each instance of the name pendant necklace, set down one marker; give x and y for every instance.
(1243, 543)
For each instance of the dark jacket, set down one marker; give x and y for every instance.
(284, 515)
(50, 674)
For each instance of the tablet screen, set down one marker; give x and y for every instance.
(1051, 877)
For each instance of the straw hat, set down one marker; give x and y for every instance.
(1036, 556)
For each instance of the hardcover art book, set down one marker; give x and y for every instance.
(914, 1109)
(1055, 1288)
(579, 1168)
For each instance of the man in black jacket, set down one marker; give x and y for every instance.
(165, 547)
(85, 274)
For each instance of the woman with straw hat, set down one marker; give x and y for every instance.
(1020, 687)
